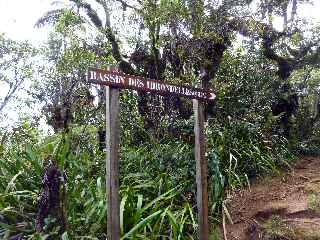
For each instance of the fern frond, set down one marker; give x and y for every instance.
(49, 17)
(91, 13)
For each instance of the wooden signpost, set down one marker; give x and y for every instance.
(114, 80)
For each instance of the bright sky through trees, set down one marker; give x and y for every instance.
(17, 19)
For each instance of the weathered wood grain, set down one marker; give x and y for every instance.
(112, 162)
(201, 171)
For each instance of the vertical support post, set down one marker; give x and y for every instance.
(112, 162)
(201, 171)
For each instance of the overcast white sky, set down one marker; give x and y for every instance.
(17, 17)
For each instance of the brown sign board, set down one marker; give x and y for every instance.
(121, 80)
(116, 80)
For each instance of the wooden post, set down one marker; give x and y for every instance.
(201, 171)
(112, 163)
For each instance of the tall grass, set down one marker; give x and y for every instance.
(152, 205)
(157, 190)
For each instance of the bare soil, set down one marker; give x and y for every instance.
(293, 197)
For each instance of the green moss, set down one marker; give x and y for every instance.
(314, 202)
(277, 229)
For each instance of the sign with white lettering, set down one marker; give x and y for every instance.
(115, 80)
(121, 80)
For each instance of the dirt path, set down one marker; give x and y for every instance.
(282, 207)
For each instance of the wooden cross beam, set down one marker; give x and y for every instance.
(113, 80)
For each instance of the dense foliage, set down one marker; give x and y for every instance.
(52, 185)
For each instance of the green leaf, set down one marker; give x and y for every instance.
(122, 209)
(141, 224)
(65, 236)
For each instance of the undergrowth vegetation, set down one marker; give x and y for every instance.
(266, 112)
(157, 175)
(157, 191)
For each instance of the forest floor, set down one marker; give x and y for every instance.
(279, 207)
